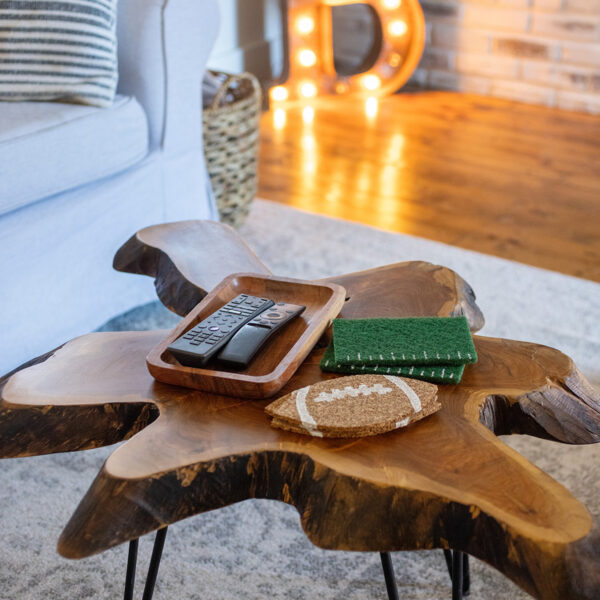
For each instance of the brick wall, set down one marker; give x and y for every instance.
(540, 51)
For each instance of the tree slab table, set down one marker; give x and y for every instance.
(444, 482)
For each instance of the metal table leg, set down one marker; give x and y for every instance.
(159, 543)
(466, 575)
(457, 563)
(131, 566)
(457, 575)
(388, 573)
(450, 556)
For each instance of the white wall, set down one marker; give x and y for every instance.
(250, 38)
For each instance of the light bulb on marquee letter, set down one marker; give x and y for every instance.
(305, 25)
(397, 28)
(307, 58)
(308, 89)
(371, 82)
(279, 93)
(309, 50)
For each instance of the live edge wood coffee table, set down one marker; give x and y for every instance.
(444, 482)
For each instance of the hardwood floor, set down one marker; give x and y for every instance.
(514, 180)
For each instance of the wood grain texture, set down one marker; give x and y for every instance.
(185, 269)
(441, 482)
(396, 290)
(200, 255)
(44, 415)
(517, 181)
(277, 360)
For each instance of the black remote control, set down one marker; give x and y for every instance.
(195, 347)
(247, 341)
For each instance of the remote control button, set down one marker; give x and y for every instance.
(213, 328)
(274, 315)
(281, 304)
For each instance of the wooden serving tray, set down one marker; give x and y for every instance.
(278, 359)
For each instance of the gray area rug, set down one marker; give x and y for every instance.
(256, 549)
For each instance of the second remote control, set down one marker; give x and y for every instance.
(247, 341)
(196, 346)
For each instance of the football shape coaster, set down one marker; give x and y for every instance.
(354, 406)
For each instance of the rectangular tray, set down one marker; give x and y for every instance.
(281, 355)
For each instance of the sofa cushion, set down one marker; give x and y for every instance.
(65, 50)
(46, 147)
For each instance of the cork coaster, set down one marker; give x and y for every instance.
(355, 406)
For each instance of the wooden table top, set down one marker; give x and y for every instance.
(446, 481)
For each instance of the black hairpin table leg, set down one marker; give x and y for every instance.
(466, 575)
(457, 562)
(464, 571)
(457, 575)
(159, 543)
(131, 565)
(388, 573)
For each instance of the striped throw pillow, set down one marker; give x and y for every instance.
(63, 50)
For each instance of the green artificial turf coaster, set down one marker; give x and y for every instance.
(403, 342)
(433, 373)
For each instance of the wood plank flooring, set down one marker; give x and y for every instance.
(514, 180)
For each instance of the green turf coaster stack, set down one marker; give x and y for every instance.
(432, 373)
(429, 348)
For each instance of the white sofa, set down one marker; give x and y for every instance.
(77, 181)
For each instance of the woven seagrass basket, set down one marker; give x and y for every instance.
(230, 128)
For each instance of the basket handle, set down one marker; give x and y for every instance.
(225, 87)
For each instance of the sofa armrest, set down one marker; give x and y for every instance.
(163, 46)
